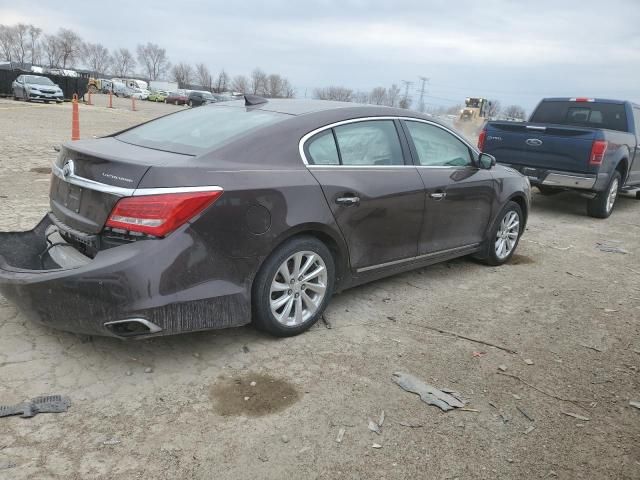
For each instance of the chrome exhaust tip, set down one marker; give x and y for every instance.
(132, 327)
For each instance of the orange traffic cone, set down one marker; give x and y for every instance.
(75, 119)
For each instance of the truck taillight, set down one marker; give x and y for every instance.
(598, 149)
(481, 139)
(159, 215)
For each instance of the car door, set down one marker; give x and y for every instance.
(459, 195)
(19, 87)
(375, 195)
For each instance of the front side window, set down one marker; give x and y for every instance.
(436, 147)
(372, 142)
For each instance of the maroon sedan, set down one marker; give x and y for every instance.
(179, 97)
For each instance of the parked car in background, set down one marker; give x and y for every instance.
(35, 87)
(158, 96)
(179, 97)
(197, 98)
(119, 89)
(587, 145)
(160, 229)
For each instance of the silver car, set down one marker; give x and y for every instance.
(35, 87)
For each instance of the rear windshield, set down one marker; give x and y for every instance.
(199, 130)
(609, 116)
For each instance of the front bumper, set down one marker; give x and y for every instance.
(561, 179)
(46, 96)
(174, 284)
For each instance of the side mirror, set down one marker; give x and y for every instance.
(486, 161)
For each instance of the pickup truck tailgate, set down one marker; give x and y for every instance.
(551, 147)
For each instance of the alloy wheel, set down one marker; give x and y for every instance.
(298, 288)
(507, 235)
(613, 194)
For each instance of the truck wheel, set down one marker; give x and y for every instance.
(293, 287)
(602, 204)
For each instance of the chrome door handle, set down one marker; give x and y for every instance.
(347, 200)
(438, 195)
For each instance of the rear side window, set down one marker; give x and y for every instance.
(437, 147)
(372, 142)
(609, 116)
(322, 149)
(636, 115)
(199, 130)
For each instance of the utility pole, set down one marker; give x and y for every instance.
(424, 81)
(405, 100)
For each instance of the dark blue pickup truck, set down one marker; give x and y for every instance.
(583, 144)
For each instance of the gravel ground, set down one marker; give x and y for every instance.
(186, 407)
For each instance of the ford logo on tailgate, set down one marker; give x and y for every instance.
(534, 142)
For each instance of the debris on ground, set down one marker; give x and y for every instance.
(502, 368)
(245, 349)
(529, 429)
(525, 414)
(376, 445)
(575, 415)
(635, 403)
(478, 354)
(340, 435)
(411, 425)
(111, 441)
(326, 322)
(528, 361)
(8, 465)
(128, 373)
(253, 384)
(428, 394)
(285, 439)
(44, 404)
(609, 248)
(148, 370)
(591, 347)
(374, 427)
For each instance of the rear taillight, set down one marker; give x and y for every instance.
(481, 138)
(598, 149)
(159, 215)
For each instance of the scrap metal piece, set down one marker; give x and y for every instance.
(428, 394)
(43, 404)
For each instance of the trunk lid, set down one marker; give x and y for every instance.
(90, 176)
(553, 147)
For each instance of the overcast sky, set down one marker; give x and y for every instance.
(515, 51)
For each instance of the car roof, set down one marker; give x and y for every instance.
(299, 107)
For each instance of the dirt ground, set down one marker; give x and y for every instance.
(186, 407)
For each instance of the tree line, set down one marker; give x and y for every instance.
(26, 43)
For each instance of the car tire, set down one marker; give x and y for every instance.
(504, 230)
(280, 287)
(604, 202)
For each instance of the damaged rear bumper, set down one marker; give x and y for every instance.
(148, 287)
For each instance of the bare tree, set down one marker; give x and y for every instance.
(52, 51)
(123, 63)
(97, 57)
(222, 82)
(70, 47)
(405, 102)
(7, 42)
(360, 97)
(240, 84)
(153, 59)
(34, 45)
(494, 108)
(378, 96)
(515, 112)
(183, 74)
(277, 86)
(258, 85)
(21, 42)
(393, 96)
(203, 76)
(341, 94)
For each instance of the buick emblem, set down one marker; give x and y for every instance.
(534, 142)
(67, 170)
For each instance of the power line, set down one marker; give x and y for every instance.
(406, 84)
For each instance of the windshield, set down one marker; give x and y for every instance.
(199, 130)
(38, 80)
